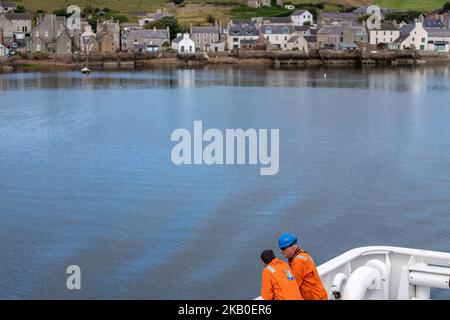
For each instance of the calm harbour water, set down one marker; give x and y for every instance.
(86, 176)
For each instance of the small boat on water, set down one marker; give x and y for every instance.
(385, 273)
(85, 70)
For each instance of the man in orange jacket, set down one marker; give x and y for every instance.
(278, 283)
(303, 267)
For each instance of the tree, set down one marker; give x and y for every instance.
(93, 22)
(210, 18)
(446, 6)
(20, 9)
(61, 13)
(122, 18)
(406, 16)
(165, 22)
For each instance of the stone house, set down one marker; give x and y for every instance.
(47, 30)
(15, 28)
(108, 37)
(329, 37)
(64, 42)
(204, 36)
(139, 40)
(354, 33)
(297, 42)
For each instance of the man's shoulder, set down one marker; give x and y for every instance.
(300, 258)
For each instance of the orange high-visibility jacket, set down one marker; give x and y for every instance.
(308, 279)
(278, 282)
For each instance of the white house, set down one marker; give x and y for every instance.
(4, 51)
(438, 40)
(183, 44)
(300, 17)
(412, 35)
(277, 35)
(388, 33)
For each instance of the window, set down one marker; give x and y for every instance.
(235, 39)
(182, 49)
(423, 40)
(190, 48)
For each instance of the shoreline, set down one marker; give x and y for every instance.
(123, 61)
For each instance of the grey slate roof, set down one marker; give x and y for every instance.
(330, 30)
(5, 4)
(243, 31)
(405, 31)
(387, 27)
(430, 22)
(294, 38)
(17, 16)
(177, 39)
(151, 34)
(276, 29)
(210, 29)
(310, 39)
(438, 32)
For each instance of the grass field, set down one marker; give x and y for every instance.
(124, 6)
(419, 5)
(196, 11)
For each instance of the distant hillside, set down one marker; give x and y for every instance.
(201, 12)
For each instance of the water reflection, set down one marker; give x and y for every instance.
(381, 79)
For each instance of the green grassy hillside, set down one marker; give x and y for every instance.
(197, 11)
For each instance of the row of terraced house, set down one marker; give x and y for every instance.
(297, 32)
